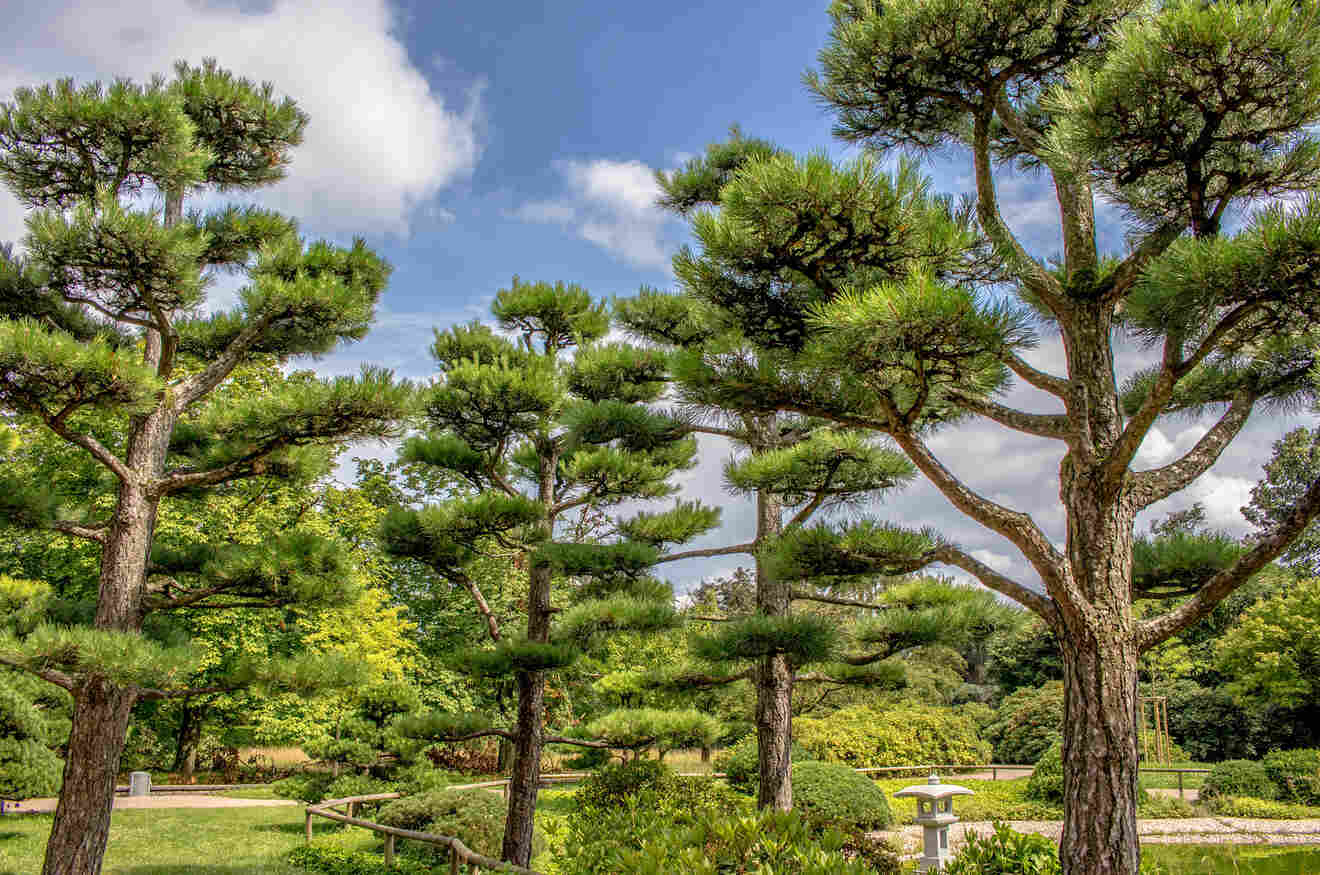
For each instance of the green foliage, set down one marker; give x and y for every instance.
(1273, 651)
(866, 547)
(1293, 466)
(308, 786)
(440, 725)
(618, 371)
(1180, 563)
(849, 462)
(1046, 782)
(328, 859)
(833, 795)
(741, 766)
(357, 785)
(1249, 806)
(626, 557)
(680, 524)
(582, 623)
(613, 783)
(473, 816)
(901, 734)
(555, 314)
(664, 729)
(1026, 723)
(28, 768)
(1295, 773)
(1238, 778)
(47, 369)
(511, 655)
(1006, 852)
(805, 638)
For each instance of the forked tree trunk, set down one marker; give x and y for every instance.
(81, 828)
(1100, 758)
(191, 718)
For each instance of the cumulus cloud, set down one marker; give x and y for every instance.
(611, 204)
(381, 141)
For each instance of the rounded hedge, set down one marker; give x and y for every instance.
(1046, 782)
(28, 768)
(615, 784)
(1295, 775)
(1238, 778)
(475, 817)
(897, 735)
(833, 795)
(1026, 723)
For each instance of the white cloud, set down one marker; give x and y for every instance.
(380, 142)
(611, 204)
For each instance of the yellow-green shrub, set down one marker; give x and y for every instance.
(908, 734)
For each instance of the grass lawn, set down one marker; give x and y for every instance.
(157, 841)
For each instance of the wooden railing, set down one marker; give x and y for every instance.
(461, 853)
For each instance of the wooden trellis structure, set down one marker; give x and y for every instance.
(1156, 745)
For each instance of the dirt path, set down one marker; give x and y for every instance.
(160, 800)
(1187, 830)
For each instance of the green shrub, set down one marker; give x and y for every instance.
(636, 837)
(833, 795)
(476, 817)
(331, 860)
(28, 768)
(357, 785)
(1006, 852)
(898, 735)
(1238, 778)
(613, 783)
(1027, 723)
(1046, 782)
(304, 786)
(1246, 806)
(422, 777)
(741, 767)
(1164, 807)
(1295, 774)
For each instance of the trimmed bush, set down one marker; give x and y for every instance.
(28, 768)
(1027, 723)
(1295, 775)
(1246, 806)
(330, 860)
(476, 817)
(833, 795)
(357, 785)
(304, 786)
(741, 767)
(1046, 782)
(898, 735)
(613, 783)
(1238, 778)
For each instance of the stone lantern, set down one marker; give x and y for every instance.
(935, 815)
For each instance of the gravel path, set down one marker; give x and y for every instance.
(161, 800)
(1188, 830)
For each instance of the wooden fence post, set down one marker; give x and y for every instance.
(309, 826)
(453, 860)
(389, 849)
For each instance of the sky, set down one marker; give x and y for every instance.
(471, 142)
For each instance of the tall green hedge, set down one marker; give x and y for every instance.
(907, 734)
(1026, 723)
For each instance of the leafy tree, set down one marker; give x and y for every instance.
(533, 428)
(889, 314)
(1273, 652)
(100, 328)
(1294, 466)
(33, 715)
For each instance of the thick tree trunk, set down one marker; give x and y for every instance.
(774, 679)
(81, 829)
(1100, 757)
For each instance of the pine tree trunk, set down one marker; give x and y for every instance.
(81, 828)
(190, 737)
(774, 679)
(1100, 759)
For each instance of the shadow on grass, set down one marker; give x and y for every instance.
(325, 827)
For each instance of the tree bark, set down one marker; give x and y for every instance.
(1100, 758)
(526, 773)
(81, 828)
(191, 718)
(773, 677)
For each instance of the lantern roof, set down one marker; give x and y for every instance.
(934, 789)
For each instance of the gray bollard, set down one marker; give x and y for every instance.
(139, 784)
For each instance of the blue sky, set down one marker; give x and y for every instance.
(469, 142)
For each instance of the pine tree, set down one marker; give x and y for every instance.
(101, 323)
(1176, 115)
(796, 468)
(549, 420)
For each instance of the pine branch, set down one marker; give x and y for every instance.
(203, 382)
(1156, 629)
(483, 608)
(1151, 247)
(50, 675)
(1042, 605)
(1018, 527)
(1155, 484)
(708, 552)
(819, 498)
(1027, 270)
(1056, 386)
(98, 451)
(803, 595)
(151, 694)
(89, 533)
(1046, 425)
